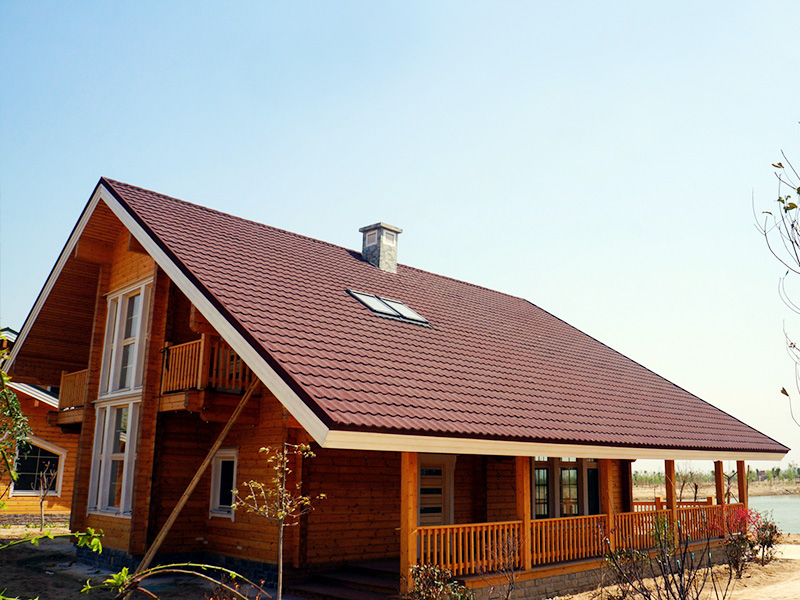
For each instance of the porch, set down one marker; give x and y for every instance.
(532, 547)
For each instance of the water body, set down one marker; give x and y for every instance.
(785, 510)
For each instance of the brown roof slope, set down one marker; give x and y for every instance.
(490, 365)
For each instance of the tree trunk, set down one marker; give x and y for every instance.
(280, 560)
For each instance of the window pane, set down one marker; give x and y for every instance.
(131, 316)
(375, 305)
(126, 366)
(404, 310)
(569, 492)
(116, 471)
(226, 483)
(541, 493)
(119, 437)
(32, 463)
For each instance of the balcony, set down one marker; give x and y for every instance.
(204, 376)
(71, 398)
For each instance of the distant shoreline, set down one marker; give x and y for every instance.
(762, 488)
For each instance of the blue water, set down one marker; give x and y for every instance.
(785, 510)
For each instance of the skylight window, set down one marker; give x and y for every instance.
(385, 307)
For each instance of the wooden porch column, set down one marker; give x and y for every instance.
(719, 480)
(523, 472)
(672, 503)
(607, 502)
(741, 477)
(409, 516)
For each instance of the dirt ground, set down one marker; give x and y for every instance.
(50, 572)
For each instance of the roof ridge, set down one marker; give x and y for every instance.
(305, 237)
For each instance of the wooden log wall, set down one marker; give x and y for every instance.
(148, 415)
(126, 268)
(501, 499)
(359, 518)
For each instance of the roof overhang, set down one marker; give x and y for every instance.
(357, 440)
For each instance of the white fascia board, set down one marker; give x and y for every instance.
(268, 376)
(357, 440)
(35, 393)
(51, 280)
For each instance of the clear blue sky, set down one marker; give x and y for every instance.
(598, 159)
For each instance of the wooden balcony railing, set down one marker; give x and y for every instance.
(659, 504)
(72, 390)
(479, 548)
(207, 362)
(471, 549)
(568, 538)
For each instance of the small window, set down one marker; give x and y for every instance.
(223, 482)
(541, 493)
(39, 465)
(390, 237)
(372, 238)
(388, 308)
(569, 492)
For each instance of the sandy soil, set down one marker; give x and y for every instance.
(779, 580)
(645, 493)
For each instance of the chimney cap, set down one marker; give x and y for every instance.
(380, 225)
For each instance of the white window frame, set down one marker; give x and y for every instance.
(214, 508)
(114, 342)
(62, 457)
(102, 457)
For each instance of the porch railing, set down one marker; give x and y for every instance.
(568, 538)
(478, 548)
(473, 548)
(72, 390)
(207, 362)
(659, 504)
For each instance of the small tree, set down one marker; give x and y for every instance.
(275, 500)
(14, 430)
(45, 481)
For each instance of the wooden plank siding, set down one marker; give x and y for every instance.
(36, 412)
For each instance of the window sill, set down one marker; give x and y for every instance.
(108, 513)
(220, 514)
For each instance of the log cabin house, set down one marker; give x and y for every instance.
(48, 460)
(448, 420)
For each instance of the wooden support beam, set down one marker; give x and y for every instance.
(162, 535)
(607, 502)
(719, 481)
(672, 503)
(741, 477)
(92, 251)
(199, 324)
(409, 516)
(134, 245)
(524, 512)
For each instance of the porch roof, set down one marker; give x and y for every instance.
(489, 367)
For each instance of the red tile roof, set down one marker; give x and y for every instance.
(490, 366)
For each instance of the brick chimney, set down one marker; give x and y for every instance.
(379, 246)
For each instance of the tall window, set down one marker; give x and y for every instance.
(569, 491)
(114, 457)
(124, 351)
(39, 464)
(223, 482)
(541, 492)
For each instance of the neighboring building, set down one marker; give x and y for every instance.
(430, 402)
(47, 460)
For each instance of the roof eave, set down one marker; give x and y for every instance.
(364, 440)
